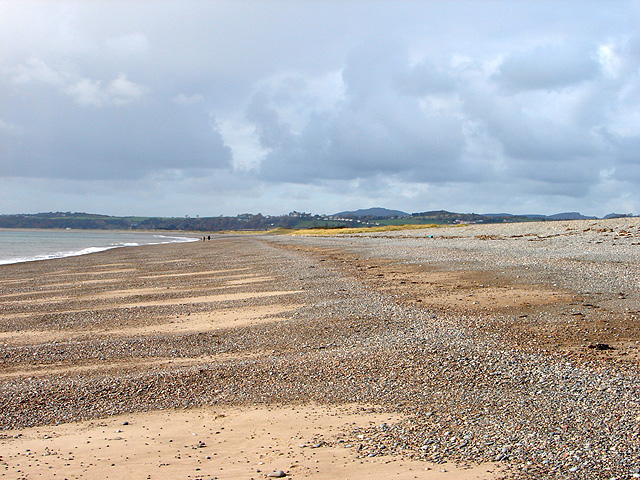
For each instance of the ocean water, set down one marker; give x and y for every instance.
(18, 245)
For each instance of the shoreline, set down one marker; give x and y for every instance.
(87, 248)
(465, 349)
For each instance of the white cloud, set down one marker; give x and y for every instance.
(610, 62)
(183, 99)
(10, 129)
(242, 139)
(84, 91)
(122, 91)
(35, 70)
(118, 92)
(87, 92)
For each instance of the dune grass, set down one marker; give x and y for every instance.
(321, 232)
(349, 231)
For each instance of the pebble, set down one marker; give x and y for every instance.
(277, 474)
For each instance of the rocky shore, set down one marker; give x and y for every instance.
(514, 346)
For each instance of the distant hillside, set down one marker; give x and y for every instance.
(444, 217)
(372, 212)
(557, 216)
(570, 216)
(296, 220)
(245, 221)
(507, 215)
(498, 214)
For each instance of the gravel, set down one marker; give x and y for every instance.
(465, 394)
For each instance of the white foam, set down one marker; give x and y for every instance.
(163, 239)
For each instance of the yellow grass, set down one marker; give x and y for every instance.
(332, 231)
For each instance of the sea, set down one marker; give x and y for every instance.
(25, 245)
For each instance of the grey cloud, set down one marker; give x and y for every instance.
(370, 69)
(374, 129)
(129, 45)
(130, 92)
(548, 67)
(423, 79)
(211, 192)
(68, 141)
(571, 177)
(629, 173)
(526, 136)
(628, 150)
(273, 134)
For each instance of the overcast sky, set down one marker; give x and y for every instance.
(224, 107)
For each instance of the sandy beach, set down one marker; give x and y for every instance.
(473, 352)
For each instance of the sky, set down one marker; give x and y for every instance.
(209, 108)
